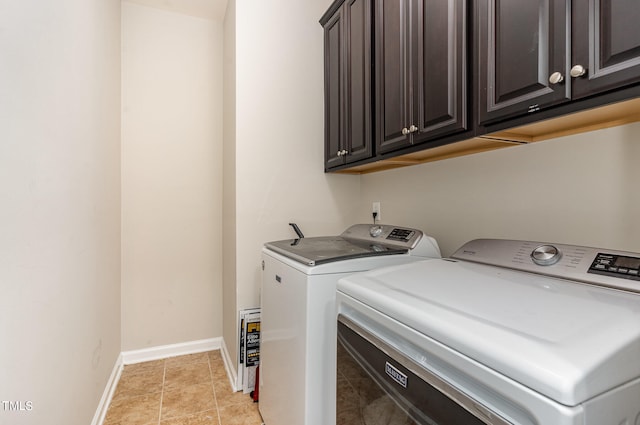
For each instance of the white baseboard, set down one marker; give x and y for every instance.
(107, 395)
(164, 351)
(229, 367)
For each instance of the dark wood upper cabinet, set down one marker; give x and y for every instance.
(420, 71)
(403, 77)
(521, 44)
(536, 54)
(606, 45)
(347, 74)
(333, 97)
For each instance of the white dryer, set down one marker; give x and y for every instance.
(502, 333)
(297, 384)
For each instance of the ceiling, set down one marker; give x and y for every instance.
(208, 9)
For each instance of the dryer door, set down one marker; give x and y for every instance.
(378, 385)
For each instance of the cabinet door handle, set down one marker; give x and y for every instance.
(345, 152)
(413, 129)
(556, 78)
(578, 71)
(339, 153)
(405, 131)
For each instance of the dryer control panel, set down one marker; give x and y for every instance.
(616, 265)
(595, 266)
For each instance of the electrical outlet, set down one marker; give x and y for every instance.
(376, 209)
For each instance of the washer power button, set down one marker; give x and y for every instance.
(546, 255)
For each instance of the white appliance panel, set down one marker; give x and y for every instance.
(282, 342)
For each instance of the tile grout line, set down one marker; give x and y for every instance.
(213, 387)
(164, 374)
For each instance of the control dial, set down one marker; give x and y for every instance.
(375, 231)
(546, 255)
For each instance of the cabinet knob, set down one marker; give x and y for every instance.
(339, 153)
(405, 131)
(556, 78)
(344, 152)
(413, 129)
(578, 71)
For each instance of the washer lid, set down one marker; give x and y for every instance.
(359, 240)
(566, 340)
(320, 250)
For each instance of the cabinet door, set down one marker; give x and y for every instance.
(392, 96)
(606, 40)
(522, 43)
(358, 125)
(439, 66)
(333, 91)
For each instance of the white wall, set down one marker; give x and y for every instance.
(171, 177)
(279, 129)
(60, 207)
(580, 189)
(229, 298)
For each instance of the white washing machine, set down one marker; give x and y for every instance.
(297, 384)
(502, 333)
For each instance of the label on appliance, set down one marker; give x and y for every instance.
(395, 374)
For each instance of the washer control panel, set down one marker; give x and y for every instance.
(384, 234)
(616, 265)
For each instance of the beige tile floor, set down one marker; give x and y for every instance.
(184, 390)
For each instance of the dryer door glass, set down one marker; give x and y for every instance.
(373, 388)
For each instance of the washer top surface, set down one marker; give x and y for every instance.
(360, 240)
(319, 250)
(567, 340)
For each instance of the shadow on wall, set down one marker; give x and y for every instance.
(564, 190)
(629, 177)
